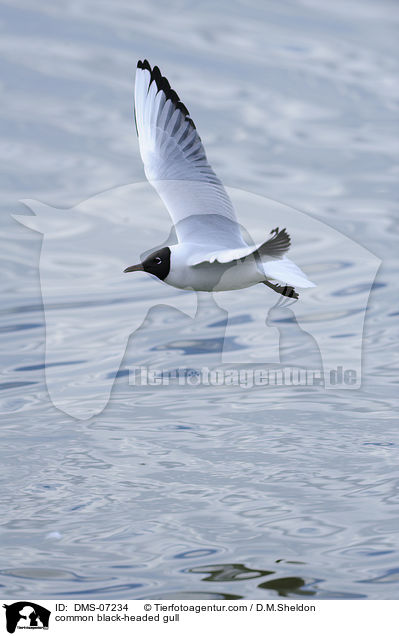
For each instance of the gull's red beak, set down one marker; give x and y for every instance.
(134, 268)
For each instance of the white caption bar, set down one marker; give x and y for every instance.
(277, 616)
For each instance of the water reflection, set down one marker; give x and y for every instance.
(228, 572)
(297, 347)
(287, 586)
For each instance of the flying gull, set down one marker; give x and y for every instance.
(211, 253)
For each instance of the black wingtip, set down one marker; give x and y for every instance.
(163, 85)
(173, 96)
(156, 75)
(182, 107)
(145, 65)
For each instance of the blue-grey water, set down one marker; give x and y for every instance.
(198, 491)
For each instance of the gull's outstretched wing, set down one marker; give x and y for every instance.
(175, 164)
(273, 248)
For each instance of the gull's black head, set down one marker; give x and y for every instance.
(157, 263)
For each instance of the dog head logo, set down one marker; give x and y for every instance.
(25, 614)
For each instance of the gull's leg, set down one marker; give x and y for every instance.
(284, 290)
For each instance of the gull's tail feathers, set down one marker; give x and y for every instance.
(286, 272)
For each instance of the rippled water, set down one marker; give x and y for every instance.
(198, 491)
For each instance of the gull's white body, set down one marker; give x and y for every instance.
(211, 253)
(212, 276)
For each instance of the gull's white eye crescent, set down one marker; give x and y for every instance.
(158, 260)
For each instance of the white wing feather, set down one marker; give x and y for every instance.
(175, 164)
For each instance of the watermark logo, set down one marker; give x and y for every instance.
(243, 378)
(101, 323)
(26, 615)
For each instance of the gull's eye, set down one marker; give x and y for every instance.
(157, 260)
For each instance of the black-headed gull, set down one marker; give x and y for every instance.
(211, 254)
